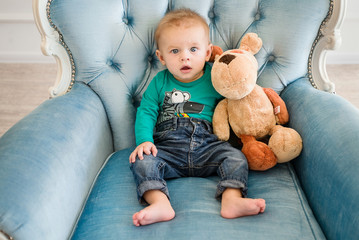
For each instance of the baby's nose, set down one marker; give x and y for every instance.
(185, 56)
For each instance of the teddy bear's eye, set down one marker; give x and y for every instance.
(227, 59)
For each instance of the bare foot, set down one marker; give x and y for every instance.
(234, 206)
(159, 211)
(152, 214)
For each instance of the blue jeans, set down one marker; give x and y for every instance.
(187, 147)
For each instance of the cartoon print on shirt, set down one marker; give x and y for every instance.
(176, 103)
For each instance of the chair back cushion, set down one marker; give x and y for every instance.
(112, 44)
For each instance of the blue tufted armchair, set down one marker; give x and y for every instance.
(64, 171)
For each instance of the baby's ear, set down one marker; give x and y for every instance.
(160, 57)
(216, 51)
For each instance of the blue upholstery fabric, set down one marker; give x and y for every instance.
(45, 178)
(64, 169)
(108, 214)
(329, 163)
(114, 50)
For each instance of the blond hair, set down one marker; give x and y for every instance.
(178, 18)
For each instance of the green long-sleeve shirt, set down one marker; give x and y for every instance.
(167, 97)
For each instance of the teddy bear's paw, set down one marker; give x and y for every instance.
(286, 144)
(222, 137)
(259, 156)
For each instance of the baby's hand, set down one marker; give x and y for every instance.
(146, 147)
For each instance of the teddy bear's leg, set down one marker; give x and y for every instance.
(286, 143)
(259, 156)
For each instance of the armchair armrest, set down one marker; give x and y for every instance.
(48, 163)
(329, 164)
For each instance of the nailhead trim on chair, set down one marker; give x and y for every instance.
(6, 235)
(319, 36)
(62, 42)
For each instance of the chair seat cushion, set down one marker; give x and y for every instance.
(112, 202)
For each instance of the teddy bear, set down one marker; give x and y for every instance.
(252, 112)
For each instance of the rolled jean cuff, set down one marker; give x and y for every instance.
(151, 184)
(231, 183)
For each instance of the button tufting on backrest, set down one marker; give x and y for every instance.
(211, 14)
(128, 20)
(113, 45)
(125, 20)
(152, 59)
(271, 58)
(114, 65)
(109, 62)
(257, 17)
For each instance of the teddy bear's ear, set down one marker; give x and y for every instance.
(251, 43)
(216, 51)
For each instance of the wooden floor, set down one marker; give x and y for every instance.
(24, 86)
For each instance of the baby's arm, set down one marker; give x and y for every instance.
(145, 147)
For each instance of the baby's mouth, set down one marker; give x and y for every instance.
(186, 68)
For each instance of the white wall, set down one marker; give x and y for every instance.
(19, 37)
(20, 40)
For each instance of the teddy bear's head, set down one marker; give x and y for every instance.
(234, 72)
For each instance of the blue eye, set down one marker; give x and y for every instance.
(193, 49)
(174, 51)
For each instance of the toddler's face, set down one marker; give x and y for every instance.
(184, 51)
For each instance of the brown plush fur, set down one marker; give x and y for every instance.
(250, 110)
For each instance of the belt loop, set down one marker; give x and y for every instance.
(174, 123)
(210, 126)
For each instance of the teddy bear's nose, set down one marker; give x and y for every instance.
(227, 59)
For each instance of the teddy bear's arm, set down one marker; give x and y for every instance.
(220, 121)
(280, 109)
